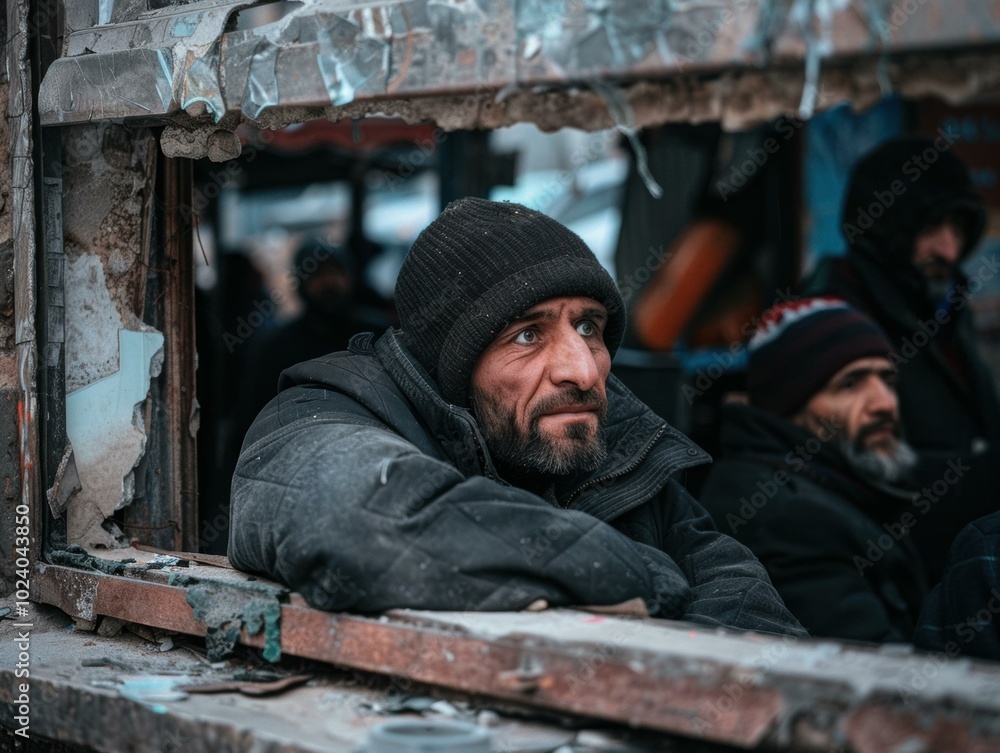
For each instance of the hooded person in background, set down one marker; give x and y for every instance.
(483, 457)
(911, 215)
(813, 473)
(326, 285)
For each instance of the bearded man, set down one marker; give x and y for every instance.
(912, 217)
(482, 457)
(814, 475)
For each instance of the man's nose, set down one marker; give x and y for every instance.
(573, 362)
(882, 398)
(948, 242)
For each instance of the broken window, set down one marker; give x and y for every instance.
(131, 238)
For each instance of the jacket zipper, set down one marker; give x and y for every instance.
(620, 472)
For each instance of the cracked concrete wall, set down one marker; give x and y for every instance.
(108, 182)
(10, 472)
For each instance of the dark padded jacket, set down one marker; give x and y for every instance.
(360, 487)
(835, 547)
(962, 613)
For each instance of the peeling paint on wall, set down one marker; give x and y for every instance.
(92, 324)
(105, 426)
(108, 367)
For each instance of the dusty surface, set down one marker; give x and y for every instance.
(116, 693)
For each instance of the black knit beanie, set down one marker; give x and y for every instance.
(799, 346)
(479, 266)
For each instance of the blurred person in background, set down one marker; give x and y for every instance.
(813, 473)
(911, 215)
(327, 283)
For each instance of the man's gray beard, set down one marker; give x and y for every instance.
(533, 454)
(879, 466)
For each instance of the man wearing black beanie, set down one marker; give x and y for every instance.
(482, 457)
(813, 474)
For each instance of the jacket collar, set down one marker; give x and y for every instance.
(643, 449)
(902, 290)
(754, 434)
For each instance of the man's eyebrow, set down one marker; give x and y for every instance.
(863, 371)
(595, 313)
(533, 316)
(591, 312)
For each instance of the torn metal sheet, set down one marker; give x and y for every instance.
(201, 85)
(262, 83)
(145, 66)
(105, 426)
(67, 484)
(350, 61)
(380, 57)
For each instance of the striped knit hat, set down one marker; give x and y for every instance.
(799, 346)
(479, 266)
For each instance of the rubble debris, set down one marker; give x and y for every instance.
(251, 687)
(227, 611)
(74, 555)
(426, 734)
(153, 691)
(110, 627)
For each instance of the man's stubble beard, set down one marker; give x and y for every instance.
(530, 453)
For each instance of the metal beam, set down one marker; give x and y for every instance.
(334, 59)
(744, 689)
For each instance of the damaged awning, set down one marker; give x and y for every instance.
(468, 64)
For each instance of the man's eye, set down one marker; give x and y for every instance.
(525, 337)
(586, 328)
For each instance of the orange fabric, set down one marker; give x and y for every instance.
(693, 263)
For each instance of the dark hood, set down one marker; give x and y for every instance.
(924, 192)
